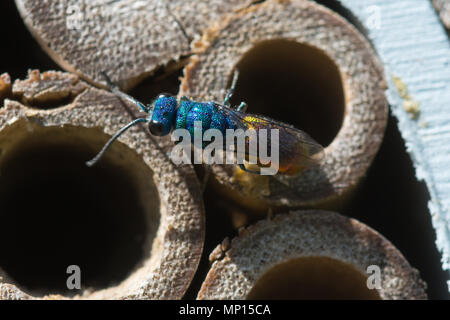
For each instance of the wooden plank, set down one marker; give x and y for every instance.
(413, 44)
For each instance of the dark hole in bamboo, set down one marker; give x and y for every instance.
(294, 83)
(56, 212)
(312, 278)
(50, 103)
(21, 51)
(164, 80)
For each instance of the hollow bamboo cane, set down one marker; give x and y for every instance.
(302, 64)
(310, 255)
(134, 223)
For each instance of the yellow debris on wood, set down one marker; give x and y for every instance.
(409, 104)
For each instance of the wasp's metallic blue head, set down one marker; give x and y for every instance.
(163, 117)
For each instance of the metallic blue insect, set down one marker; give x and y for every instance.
(297, 150)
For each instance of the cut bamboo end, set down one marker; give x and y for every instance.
(302, 64)
(310, 255)
(443, 8)
(47, 90)
(5, 87)
(128, 40)
(134, 223)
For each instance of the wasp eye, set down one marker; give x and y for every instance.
(156, 128)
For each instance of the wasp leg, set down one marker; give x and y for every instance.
(226, 101)
(114, 89)
(246, 170)
(242, 107)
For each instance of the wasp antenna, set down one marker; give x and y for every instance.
(115, 89)
(94, 160)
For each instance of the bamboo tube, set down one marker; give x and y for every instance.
(302, 64)
(131, 38)
(5, 87)
(310, 255)
(443, 8)
(134, 223)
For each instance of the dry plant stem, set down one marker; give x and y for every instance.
(129, 39)
(299, 34)
(168, 195)
(309, 254)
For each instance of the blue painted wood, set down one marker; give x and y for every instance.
(413, 44)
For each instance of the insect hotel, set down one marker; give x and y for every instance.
(357, 93)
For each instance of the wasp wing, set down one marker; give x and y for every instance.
(295, 146)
